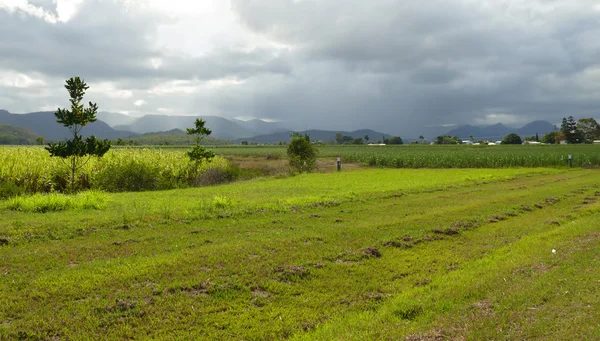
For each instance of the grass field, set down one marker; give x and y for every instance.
(364, 255)
(442, 156)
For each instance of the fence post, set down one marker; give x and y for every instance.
(570, 160)
(339, 164)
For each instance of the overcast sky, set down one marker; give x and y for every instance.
(390, 65)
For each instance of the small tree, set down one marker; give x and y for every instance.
(40, 141)
(589, 128)
(367, 138)
(551, 137)
(339, 138)
(76, 150)
(394, 140)
(198, 154)
(302, 153)
(512, 139)
(569, 129)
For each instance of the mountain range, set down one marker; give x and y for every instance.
(317, 135)
(44, 124)
(114, 126)
(499, 130)
(221, 127)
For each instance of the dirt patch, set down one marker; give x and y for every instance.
(552, 222)
(464, 224)
(3, 241)
(372, 252)
(291, 273)
(526, 208)
(485, 307)
(449, 231)
(496, 218)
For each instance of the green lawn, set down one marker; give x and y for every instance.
(364, 255)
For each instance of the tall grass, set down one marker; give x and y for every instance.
(32, 170)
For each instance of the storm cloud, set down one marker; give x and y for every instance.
(395, 66)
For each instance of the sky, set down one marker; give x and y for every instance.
(390, 65)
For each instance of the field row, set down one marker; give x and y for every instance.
(367, 255)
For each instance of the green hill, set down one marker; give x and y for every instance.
(175, 137)
(17, 135)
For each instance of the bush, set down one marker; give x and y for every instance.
(302, 154)
(512, 139)
(216, 175)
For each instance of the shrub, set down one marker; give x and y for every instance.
(512, 139)
(302, 154)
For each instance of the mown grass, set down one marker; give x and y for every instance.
(374, 254)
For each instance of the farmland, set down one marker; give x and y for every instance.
(444, 156)
(32, 170)
(360, 255)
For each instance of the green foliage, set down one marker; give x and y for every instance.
(551, 137)
(302, 154)
(198, 154)
(447, 139)
(569, 129)
(512, 138)
(75, 119)
(17, 136)
(589, 128)
(394, 140)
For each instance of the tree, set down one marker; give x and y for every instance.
(447, 139)
(199, 153)
(589, 128)
(512, 139)
(76, 150)
(339, 138)
(537, 137)
(40, 140)
(394, 140)
(569, 129)
(551, 138)
(367, 138)
(302, 154)
(358, 140)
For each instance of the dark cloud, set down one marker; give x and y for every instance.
(343, 64)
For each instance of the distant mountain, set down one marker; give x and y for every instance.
(499, 130)
(173, 137)
(114, 119)
(44, 124)
(16, 135)
(221, 127)
(536, 127)
(317, 135)
(260, 127)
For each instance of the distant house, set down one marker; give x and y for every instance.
(531, 142)
(596, 142)
(467, 142)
